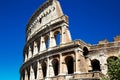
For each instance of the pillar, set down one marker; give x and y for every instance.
(39, 71)
(32, 77)
(48, 63)
(35, 48)
(52, 40)
(103, 64)
(66, 37)
(25, 57)
(80, 66)
(26, 75)
(60, 65)
(88, 62)
(29, 52)
(42, 44)
(77, 61)
(62, 68)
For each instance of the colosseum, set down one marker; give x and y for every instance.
(51, 54)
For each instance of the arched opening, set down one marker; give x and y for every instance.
(110, 61)
(44, 69)
(47, 42)
(32, 46)
(70, 64)
(28, 71)
(38, 44)
(55, 64)
(57, 37)
(112, 58)
(85, 51)
(35, 69)
(95, 65)
(40, 20)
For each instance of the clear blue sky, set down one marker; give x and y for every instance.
(89, 20)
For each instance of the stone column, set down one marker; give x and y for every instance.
(52, 40)
(42, 44)
(80, 61)
(80, 66)
(65, 37)
(48, 63)
(26, 75)
(39, 71)
(29, 52)
(77, 61)
(51, 69)
(103, 63)
(62, 68)
(60, 65)
(25, 57)
(32, 77)
(35, 49)
(88, 62)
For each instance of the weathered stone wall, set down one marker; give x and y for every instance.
(50, 53)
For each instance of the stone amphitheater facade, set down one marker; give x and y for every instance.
(50, 53)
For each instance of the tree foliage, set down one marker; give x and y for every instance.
(113, 69)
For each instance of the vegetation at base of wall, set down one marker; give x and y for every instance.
(105, 78)
(113, 69)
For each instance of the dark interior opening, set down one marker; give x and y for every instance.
(28, 70)
(85, 51)
(44, 69)
(40, 20)
(55, 66)
(95, 65)
(112, 58)
(47, 42)
(70, 64)
(35, 70)
(57, 38)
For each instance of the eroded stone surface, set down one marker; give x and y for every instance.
(50, 53)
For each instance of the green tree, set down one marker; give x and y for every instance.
(106, 78)
(114, 69)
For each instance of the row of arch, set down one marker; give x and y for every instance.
(50, 40)
(69, 61)
(96, 66)
(43, 66)
(41, 13)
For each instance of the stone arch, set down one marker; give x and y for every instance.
(57, 37)
(47, 41)
(40, 20)
(111, 58)
(38, 44)
(25, 55)
(28, 71)
(31, 46)
(85, 51)
(95, 65)
(55, 64)
(70, 64)
(35, 69)
(44, 69)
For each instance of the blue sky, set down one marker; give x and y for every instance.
(89, 20)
